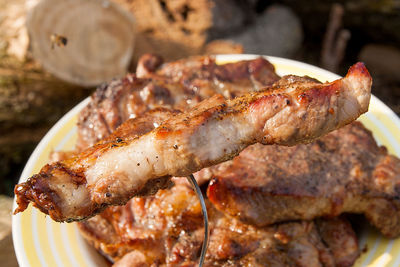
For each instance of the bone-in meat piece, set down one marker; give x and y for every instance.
(343, 172)
(292, 111)
(167, 230)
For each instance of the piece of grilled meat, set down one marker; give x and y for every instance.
(344, 171)
(167, 230)
(178, 85)
(228, 79)
(292, 111)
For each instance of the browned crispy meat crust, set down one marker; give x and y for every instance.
(41, 190)
(179, 85)
(167, 229)
(203, 72)
(338, 234)
(344, 171)
(293, 110)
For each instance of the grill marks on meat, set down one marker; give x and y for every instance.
(344, 171)
(291, 111)
(166, 229)
(178, 85)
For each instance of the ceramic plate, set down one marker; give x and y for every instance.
(39, 241)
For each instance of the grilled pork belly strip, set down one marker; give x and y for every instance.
(293, 110)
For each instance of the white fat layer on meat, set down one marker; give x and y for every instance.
(290, 89)
(283, 123)
(355, 96)
(136, 161)
(73, 196)
(220, 137)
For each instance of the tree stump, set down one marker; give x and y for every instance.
(98, 39)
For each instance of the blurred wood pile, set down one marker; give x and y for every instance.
(7, 254)
(31, 99)
(181, 28)
(103, 38)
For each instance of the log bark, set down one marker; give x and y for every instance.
(7, 254)
(30, 96)
(31, 101)
(97, 39)
(13, 33)
(173, 29)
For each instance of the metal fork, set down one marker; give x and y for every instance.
(196, 188)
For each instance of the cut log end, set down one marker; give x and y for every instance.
(85, 43)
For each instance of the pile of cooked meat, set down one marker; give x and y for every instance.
(134, 162)
(269, 205)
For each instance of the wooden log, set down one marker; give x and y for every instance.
(31, 101)
(83, 42)
(13, 34)
(173, 29)
(30, 96)
(170, 28)
(16, 145)
(7, 254)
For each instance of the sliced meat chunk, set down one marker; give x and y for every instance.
(344, 171)
(167, 230)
